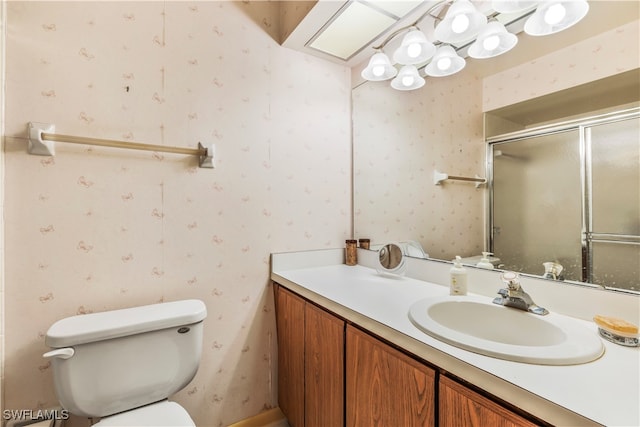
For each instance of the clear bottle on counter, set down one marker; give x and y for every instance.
(458, 278)
(351, 252)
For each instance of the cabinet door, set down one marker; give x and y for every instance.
(290, 330)
(385, 387)
(324, 368)
(462, 407)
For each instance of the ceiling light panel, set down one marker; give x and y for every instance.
(352, 29)
(397, 8)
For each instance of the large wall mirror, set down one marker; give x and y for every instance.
(401, 139)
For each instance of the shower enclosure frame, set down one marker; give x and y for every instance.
(588, 236)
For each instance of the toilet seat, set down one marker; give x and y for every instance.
(161, 414)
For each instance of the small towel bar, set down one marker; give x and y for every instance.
(42, 138)
(438, 177)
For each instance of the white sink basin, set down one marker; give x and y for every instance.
(476, 324)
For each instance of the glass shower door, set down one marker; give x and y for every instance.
(537, 203)
(613, 226)
(571, 195)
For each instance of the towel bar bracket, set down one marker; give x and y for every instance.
(37, 145)
(207, 160)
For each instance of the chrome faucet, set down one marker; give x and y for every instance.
(514, 296)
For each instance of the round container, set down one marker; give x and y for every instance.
(351, 252)
(364, 243)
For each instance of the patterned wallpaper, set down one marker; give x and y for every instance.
(93, 228)
(400, 138)
(607, 54)
(2, 86)
(96, 228)
(291, 14)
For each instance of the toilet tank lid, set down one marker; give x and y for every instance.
(93, 327)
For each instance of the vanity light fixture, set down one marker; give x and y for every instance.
(461, 23)
(379, 68)
(554, 16)
(445, 62)
(415, 48)
(464, 27)
(408, 79)
(493, 40)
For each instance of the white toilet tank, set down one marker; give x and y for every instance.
(114, 361)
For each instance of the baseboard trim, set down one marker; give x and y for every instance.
(262, 419)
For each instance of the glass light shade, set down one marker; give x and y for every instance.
(462, 22)
(379, 68)
(512, 6)
(492, 41)
(408, 79)
(445, 62)
(415, 49)
(553, 16)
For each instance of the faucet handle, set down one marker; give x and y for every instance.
(511, 279)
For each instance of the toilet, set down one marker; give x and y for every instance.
(121, 366)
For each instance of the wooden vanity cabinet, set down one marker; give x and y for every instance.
(310, 362)
(384, 386)
(460, 406)
(324, 368)
(290, 330)
(333, 374)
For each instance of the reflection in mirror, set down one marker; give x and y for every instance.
(553, 271)
(400, 139)
(566, 201)
(413, 249)
(391, 260)
(536, 209)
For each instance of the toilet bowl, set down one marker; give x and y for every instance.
(159, 414)
(121, 366)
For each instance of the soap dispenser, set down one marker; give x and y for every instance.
(484, 262)
(458, 279)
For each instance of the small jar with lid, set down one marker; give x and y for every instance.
(351, 252)
(364, 243)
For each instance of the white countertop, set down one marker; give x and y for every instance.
(605, 391)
